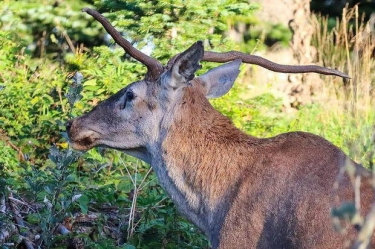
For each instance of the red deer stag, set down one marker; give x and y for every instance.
(241, 191)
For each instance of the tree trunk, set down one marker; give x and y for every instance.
(303, 87)
(296, 89)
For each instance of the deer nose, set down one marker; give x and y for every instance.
(68, 125)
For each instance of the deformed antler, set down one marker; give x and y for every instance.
(257, 60)
(154, 67)
(222, 57)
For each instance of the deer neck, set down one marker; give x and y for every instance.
(197, 153)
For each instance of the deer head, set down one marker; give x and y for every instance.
(132, 119)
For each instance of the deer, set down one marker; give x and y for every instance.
(241, 191)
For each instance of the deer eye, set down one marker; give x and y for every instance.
(129, 96)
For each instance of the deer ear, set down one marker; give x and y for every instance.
(219, 80)
(184, 66)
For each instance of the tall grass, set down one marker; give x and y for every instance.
(347, 106)
(349, 46)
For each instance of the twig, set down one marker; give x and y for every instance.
(4, 233)
(20, 223)
(7, 141)
(18, 201)
(3, 207)
(27, 243)
(7, 232)
(8, 244)
(69, 41)
(141, 185)
(367, 230)
(131, 226)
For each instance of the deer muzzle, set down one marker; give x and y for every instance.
(81, 137)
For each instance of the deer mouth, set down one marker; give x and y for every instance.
(85, 140)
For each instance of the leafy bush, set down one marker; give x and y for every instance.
(31, 101)
(51, 28)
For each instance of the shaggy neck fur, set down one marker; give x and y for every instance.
(198, 154)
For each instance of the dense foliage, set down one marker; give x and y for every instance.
(56, 63)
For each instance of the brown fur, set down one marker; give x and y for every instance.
(277, 185)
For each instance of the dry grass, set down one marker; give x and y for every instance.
(349, 46)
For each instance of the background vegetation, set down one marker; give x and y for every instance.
(57, 63)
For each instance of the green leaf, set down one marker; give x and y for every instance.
(83, 203)
(33, 218)
(347, 210)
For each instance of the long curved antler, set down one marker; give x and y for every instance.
(222, 57)
(154, 67)
(257, 60)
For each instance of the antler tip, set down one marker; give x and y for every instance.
(346, 76)
(341, 74)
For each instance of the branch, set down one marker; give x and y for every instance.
(20, 223)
